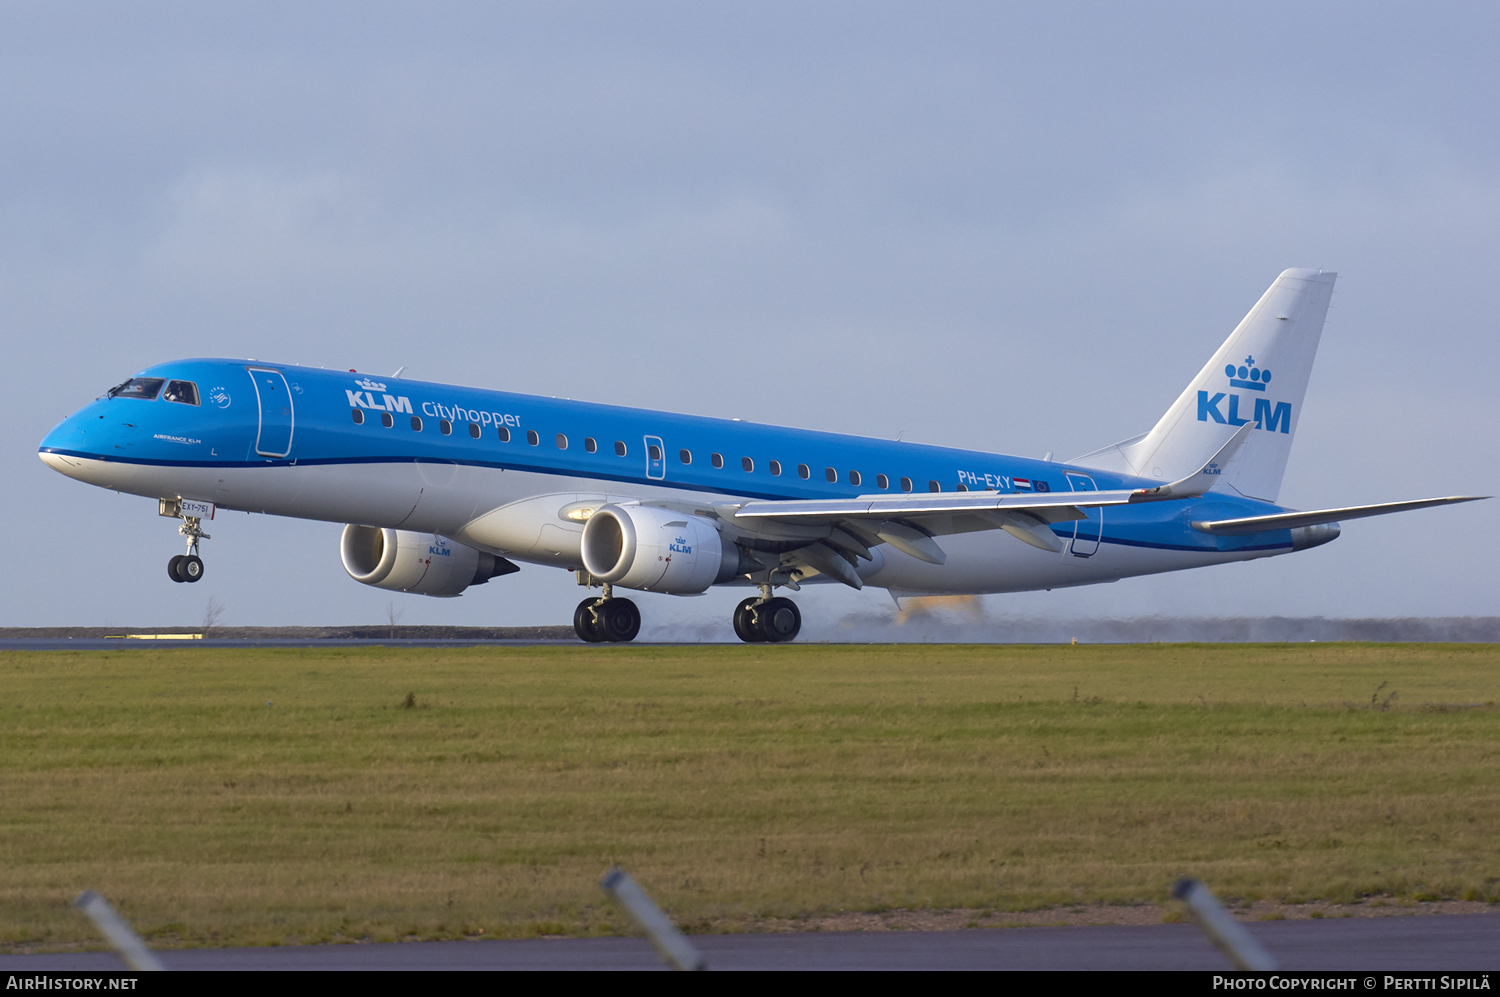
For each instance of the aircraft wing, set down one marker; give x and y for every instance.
(1292, 520)
(909, 522)
(1052, 507)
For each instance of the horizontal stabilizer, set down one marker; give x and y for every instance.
(1293, 520)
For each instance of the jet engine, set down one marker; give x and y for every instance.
(658, 550)
(424, 563)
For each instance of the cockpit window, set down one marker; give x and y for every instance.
(137, 387)
(185, 392)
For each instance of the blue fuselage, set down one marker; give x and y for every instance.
(245, 426)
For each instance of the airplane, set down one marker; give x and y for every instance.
(444, 487)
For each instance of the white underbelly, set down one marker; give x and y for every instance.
(993, 561)
(520, 514)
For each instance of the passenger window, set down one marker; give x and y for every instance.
(445, 427)
(562, 442)
(359, 416)
(590, 445)
(854, 478)
(747, 463)
(137, 387)
(933, 486)
(804, 472)
(653, 452)
(962, 487)
(717, 460)
(532, 437)
(686, 456)
(474, 430)
(183, 392)
(906, 484)
(416, 423)
(830, 474)
(619, 449)
(881, 481)
(775, 468)
(387, 420)
(504, 432)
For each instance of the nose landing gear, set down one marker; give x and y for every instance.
(767, 619)
(185, 568)
(606, 619)
(188, 567)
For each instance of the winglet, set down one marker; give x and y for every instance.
(1196, 484)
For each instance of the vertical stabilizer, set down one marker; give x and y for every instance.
(1259, 376)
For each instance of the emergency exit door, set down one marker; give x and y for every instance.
(656, 459)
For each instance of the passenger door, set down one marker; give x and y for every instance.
(1086, 532)
(276, 418)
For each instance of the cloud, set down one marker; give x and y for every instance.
(243, 229)
(1013, 229)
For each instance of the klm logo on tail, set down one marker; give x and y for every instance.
(1250, 377)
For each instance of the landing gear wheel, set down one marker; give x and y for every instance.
(780, 620)
(745, 624)
(584, 624)
(621, 620)
(190, 569)
(173, 566)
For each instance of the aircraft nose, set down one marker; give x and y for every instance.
(68, 440)
(73, 448)
(55, 440)
(60, 463)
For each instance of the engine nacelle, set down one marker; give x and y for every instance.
(657, 550)
(424, 563)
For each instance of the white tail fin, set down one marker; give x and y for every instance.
(1258, 376)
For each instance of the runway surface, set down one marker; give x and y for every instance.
(1451, 942)
(116, 644)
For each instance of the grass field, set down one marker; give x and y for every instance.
(267, 796)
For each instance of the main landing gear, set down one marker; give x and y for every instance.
(767, 619)
(606, 619)
(762, 619)
(188, 567)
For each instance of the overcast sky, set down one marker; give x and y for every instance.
(1020, 228)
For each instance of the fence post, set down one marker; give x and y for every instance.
(672, 945)
(1227, 934)
(114, 927)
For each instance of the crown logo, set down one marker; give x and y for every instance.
(1247, 375)
(370, 385)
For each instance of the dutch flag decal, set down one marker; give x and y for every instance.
(1021, 482)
